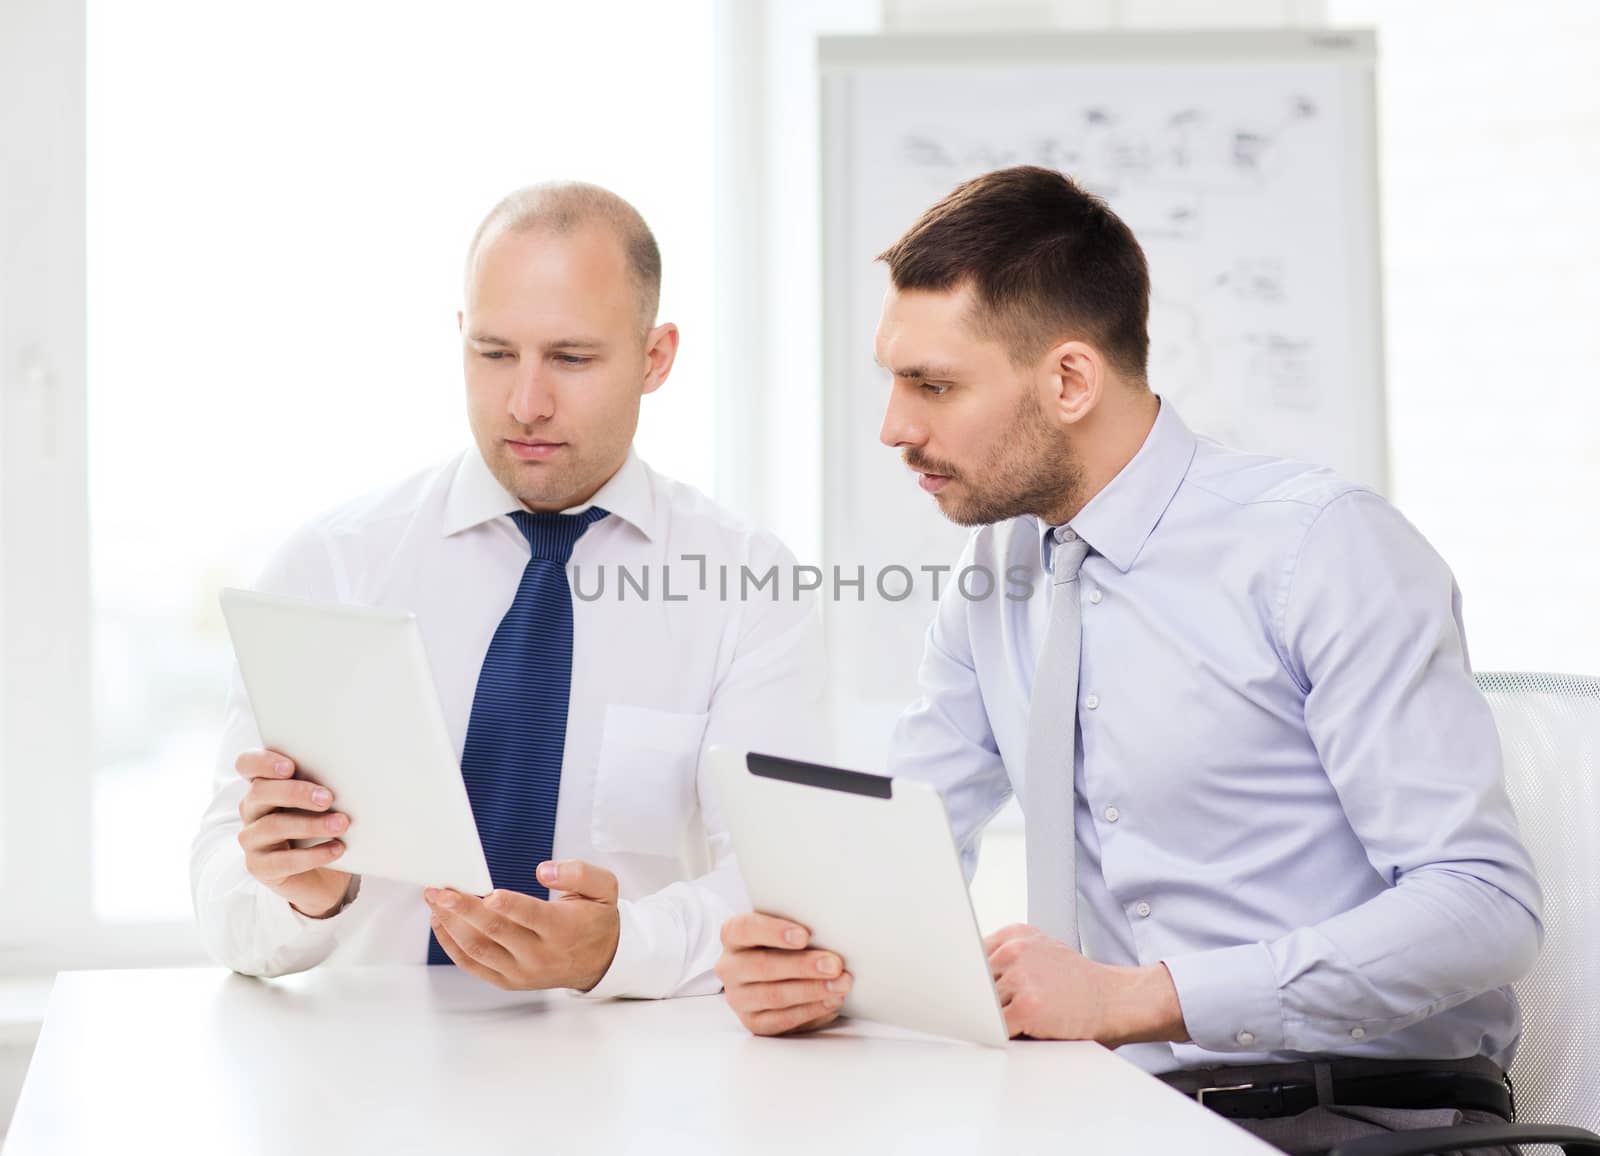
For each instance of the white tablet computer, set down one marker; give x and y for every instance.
(345, 691)
(870, 866)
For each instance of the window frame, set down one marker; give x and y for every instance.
(46, 703)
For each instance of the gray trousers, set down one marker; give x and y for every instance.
(1313, 1132)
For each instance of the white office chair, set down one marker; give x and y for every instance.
(1550, 736)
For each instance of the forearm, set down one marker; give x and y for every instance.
(1437, 940)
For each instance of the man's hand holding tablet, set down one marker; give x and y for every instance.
(279, 808)
(774, 983)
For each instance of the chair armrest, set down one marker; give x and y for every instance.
(1433, 1141)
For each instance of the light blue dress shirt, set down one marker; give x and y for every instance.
(1288, 788)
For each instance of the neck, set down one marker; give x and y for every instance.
(1107, 441)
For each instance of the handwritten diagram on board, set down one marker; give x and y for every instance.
(1250, 185)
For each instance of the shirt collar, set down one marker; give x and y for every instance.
(476, 496)
(1120, 518)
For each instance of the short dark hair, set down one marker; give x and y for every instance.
(1046, 260)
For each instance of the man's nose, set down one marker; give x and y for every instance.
(532, 400)
(900, 425)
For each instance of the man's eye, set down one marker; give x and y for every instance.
(935, 388)
(493, 354)
(572, 359)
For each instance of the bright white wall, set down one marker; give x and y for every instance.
(1490, 158)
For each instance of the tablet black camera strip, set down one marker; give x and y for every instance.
(814, 775)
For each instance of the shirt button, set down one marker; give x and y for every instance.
(1112, 814)
(1066, 535)
(1358, 1033)
(1245, 1039)
(1095, 596)
(1144, 910)
(1092, 701)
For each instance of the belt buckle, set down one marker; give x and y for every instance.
(1200, 1096)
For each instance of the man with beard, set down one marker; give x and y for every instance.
(1268, 846)
(579, 721)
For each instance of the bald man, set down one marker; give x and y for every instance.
(585, 638)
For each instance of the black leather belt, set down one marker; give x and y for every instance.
(1418, 1090)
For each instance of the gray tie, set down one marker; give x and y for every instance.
(1048, 807)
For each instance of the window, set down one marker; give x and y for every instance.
(279, 201)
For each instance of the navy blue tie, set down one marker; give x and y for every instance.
(518, 730)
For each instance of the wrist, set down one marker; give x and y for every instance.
(1142, 1007)
(606, 957)
(323, 908)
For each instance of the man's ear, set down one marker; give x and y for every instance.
(1075, 377)
(660, 351)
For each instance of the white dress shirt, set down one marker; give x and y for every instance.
(656, 678)
(1288, 788)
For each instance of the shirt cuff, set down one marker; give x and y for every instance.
(1229, 998)
(642, 967)
(298, 940)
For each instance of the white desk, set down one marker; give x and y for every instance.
(429, 1060)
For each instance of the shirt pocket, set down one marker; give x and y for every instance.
(645, 787)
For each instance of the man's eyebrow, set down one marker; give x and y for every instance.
(926, 372)
(586, 343)
(935, 372)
